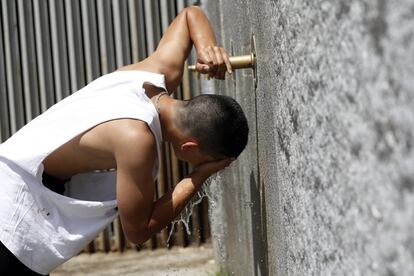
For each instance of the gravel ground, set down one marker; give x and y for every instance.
(190, 261)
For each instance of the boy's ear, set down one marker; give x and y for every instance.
(189, 145)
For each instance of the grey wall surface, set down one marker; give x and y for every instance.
(326, 185)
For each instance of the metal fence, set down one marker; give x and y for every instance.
(52, 48)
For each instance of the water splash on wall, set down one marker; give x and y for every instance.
(204, 191)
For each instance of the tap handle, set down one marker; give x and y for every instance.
(237, 62)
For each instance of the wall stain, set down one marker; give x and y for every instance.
(327, 258)
(294, 114)
(356, 149)
(378, 27)
(390, 272)
(407, 184)
(312, 87)
(343, 10)
(408, 143)
(350, 98)
(382, 147)
(284, 144)
(317, 184)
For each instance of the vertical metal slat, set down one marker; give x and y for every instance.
(180, 5)
(43, 53)
(59, 49)
(75, 45)
(90, 40)
(122, 48)
(106, 36)
(133, 27)
(25, 64)
(137, 30)
(13, 69)
(165, 17)
(28, 54)
(117, 33)
(4, 114)
(152, 25)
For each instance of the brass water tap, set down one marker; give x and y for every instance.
(237, 62)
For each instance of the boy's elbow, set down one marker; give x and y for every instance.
(193, 9)
(137, 237)
(138, 241)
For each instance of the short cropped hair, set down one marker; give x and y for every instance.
(217, 122)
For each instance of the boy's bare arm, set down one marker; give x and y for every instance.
(140, 216)
(190, 27)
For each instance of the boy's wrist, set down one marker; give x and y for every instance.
(204, 47)
(198, 178)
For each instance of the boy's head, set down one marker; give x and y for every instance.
(214, 127)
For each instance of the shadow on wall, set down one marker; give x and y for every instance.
(259, 229)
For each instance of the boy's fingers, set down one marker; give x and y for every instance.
(216, 62)
(202, 68)
(205, 58)
(213, 63)
(219, 56)
(213, 58)
(221, 72)
(220, 62)
(226, 61)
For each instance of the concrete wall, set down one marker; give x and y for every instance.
(326, 185)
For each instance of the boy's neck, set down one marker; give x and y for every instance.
(167, 107)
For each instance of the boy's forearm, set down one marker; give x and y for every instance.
(169, 206)
(201, 31)
(211, 59)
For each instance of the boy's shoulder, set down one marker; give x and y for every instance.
(132, 140)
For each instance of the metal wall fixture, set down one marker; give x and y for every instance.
(237, 62)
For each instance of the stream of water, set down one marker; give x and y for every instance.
(186, 213)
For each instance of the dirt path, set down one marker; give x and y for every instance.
(177, 261)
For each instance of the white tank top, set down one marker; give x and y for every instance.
(40, 227)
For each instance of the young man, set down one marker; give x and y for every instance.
(116, 122)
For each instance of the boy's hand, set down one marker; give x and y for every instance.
(205, 170)
(214, 61)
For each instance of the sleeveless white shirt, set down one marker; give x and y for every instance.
(40, 227)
